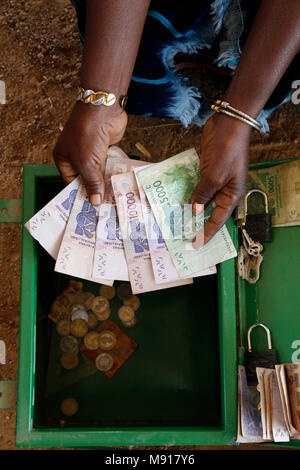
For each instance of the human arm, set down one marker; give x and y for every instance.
(113, 33)
(272, 43)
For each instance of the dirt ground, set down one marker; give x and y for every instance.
(40, 59)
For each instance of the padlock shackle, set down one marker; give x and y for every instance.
(267, 331)
(255, 191)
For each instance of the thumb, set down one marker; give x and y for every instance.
(93, 180)
(204, 192)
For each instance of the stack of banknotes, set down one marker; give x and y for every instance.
(270, 411)
(143, 230)
(281, 183)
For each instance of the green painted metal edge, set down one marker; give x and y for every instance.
(26, 368)
(11, 210)
(27, 436)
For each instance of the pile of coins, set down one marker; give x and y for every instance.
(80, 321)
(77, 314)
(83, 313)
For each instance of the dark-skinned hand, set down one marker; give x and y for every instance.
(82, 146)
(223, 169)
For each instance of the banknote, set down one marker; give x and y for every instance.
(250, 428)
(260, 371)
(281, 183)
(47, 226)
(268, 403)
(134, 236)
(169, 187)
(76, 252)
(109, 256)
(292, 372)
(163, 267)
(279, 429)
(282, 383)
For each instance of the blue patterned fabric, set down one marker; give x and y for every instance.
(180, 34)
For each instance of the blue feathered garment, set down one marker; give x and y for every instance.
(189, 34)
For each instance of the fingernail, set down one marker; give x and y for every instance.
(198, 240)
(95, 199)
(197, 208)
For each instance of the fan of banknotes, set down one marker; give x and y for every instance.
(142, 231)
(270, 411)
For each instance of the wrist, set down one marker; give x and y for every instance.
(230, 126)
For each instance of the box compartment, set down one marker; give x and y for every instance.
(178, 387)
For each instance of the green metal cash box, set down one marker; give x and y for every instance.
(180, 385)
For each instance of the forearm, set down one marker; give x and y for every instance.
(272, 43)
(113, 33)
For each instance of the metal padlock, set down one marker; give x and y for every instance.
(266, 358)
(258, 226)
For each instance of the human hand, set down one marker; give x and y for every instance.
(223, 168)
(83, 143)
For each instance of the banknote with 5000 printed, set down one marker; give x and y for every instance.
(169, 187)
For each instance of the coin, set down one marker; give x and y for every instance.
(104, 362)
(124, 291)
(107, 340)
(133, 302)
(88, 300)
(80, 298)
(63, 327)
(91, 340)
(69, 344)
(79, 327)
(75, 285)
(69, 406)
(107, 291)
(92, 320)
(129, 324)
(126, 314)
(100, 307)
(75, 307)
(69, 360)
(80, 314)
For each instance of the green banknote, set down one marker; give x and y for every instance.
(281, 183)
(169, 186)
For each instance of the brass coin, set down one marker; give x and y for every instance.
(104, 362)
(124, 291)
(79, 327)
(107, 291)
(69, 406)
(80, 298)
(129, 324)
(133, 302)
(75, 285)
(69, 360)
(91, 340)
(92, 320)
(126, 314)
(63, 327)
(69, 344)
(88, 300)
(99, 304)
(107, 340)
(104, 315)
